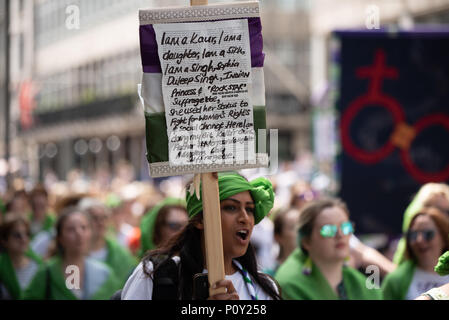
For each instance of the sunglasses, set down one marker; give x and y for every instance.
(330, 230)
(427, 235)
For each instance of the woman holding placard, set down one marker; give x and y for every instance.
(243, 204)
(317, 270)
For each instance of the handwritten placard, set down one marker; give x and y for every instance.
(206, 78)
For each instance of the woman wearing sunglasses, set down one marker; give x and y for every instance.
(429, 195)
(427, 238)
(317, 270)
(162, 223)
(18, 263)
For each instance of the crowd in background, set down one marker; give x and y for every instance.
(106, 224)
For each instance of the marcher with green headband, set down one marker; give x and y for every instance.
(316, 270)
(70, 273)
(18, 263)
(161, 223)
(243, 204)
(429, 195)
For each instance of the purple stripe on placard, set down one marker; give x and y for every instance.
(150, 58)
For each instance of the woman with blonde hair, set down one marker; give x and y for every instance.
(429, 195)
(427, 238)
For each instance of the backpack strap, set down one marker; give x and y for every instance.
(166, 280)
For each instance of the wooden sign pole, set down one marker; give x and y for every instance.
(212, 220)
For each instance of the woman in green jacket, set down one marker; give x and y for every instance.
(429, 195)
(18, 263)
(105, 248)
(427, 238)
(316, 270)
(70, 274)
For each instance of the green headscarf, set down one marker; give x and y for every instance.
(148, 223)
(232, 183)
(442, 268)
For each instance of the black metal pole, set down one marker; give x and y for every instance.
(7, 92)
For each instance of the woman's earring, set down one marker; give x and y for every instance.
(307, 268)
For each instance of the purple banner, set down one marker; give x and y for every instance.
(149, 52)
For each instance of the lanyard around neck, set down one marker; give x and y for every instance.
(248, 282)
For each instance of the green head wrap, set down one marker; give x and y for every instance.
(442, 268)
(148, 223)
(230, 184)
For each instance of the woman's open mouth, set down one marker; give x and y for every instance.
(242, 235)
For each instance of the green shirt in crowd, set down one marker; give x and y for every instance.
(296, 285)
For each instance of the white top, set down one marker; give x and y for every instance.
(100, 254)
(423, 281)
(95, 275)
(140, 287)
(25, 274)
(41, 242)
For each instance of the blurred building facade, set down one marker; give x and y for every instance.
(76, 66)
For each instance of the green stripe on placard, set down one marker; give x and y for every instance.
(157, 139)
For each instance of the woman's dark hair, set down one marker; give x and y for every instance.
(64, 215)
(188, 246)
(161, 219)
(9, 222)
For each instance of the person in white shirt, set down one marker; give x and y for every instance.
(243, 204)
(427, 238)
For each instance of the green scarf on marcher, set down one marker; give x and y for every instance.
(230, 184)
(296, 285)
(442, 268)
(148, 222)
(57, 284)
(120, 260)
(396, 284)
(8, 274)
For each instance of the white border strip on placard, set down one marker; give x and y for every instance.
(238, 10)
(164, 169)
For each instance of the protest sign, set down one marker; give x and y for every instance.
(204, 100)
(203, 88)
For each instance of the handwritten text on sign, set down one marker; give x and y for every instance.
(206, 78)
